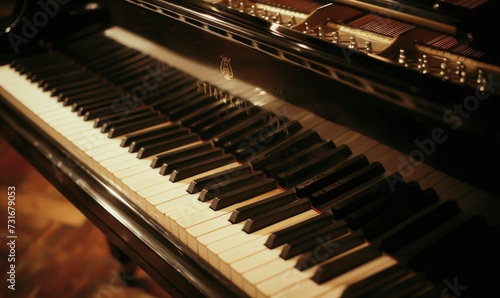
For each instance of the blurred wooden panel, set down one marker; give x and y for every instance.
(58, 253)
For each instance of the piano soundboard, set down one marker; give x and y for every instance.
(277, 201)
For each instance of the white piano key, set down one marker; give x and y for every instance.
(223, 245)
(199, 212)
(196, 231)
(334, 287)
(280, 275)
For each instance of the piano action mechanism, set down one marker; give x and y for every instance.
(269, 148)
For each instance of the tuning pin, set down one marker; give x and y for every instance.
(265, 14)
(242, 7)
(402, 57)
(292, 20)
(230, 4)
(368, 47)
(480, 76)
(461, 72)
(336, 37)
(481, 81)
(445, 69)
(277, 18)
(423, 64)
(252, 10)
(320, 33)
(307, 30)
(352, 43)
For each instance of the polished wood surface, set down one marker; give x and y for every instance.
(59, 253)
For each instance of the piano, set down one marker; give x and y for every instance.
(280, 148)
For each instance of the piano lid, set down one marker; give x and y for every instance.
(411, 56)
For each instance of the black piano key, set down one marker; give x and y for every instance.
(166, 145)
(90, 82)
(416, 229)
(300, 157)
(376, 281)
(90, 50)
(245, 138)
(172, 165)
(221, 113)
(160, 80)
(128, 139)
(119, 115)
(371, 192)
(246, 153)
(121, 129)
(160, 159)
(36, 75)
(37, 60)
(404, 286)
(178, 98)
(166, 92)
(112, 58)
(80, 47)
(195, 169)
(329, 249)
(255, 209)
(335, 268)
(248, 123)
(313, 239)
(126, 119)
(94, 110)
(317, 163)
(198, 184)
(200, 114)
(159, 136)
(128, 77)
(122, 65)
(278, 238)
(107, 96)
(188, 106)
(328, 176)
(228, 121)
(380, 206)
(98, 88)
(101, 110)
(276, 215)
(408, 206)
(83, 94)
(285, 149)
(216, 189)
(175, 98)
(347, 183)
(124, 71)
(48, 83)
(245, 193)
(94, 102)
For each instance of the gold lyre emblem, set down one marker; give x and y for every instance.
(225, 67)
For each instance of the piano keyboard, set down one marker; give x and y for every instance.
(279, 201)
